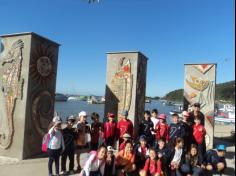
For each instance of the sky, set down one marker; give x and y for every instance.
(170, 33)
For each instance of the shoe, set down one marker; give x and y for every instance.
(71, 172)
(62, 172)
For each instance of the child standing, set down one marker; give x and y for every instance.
(175, 129)
(146, 127)
(199, 133)
(110, 130)
(69, 136)
(124, 126)
(162, 129)
(96, 131)
(155, 121)
(56, 145)
(152, 165)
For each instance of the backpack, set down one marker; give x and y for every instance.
(45, 141)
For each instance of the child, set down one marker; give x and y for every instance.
(69, 136)
(82, 130)
(110, 130)
(163, 153)
(215, 160)
(96, 130)
(142, 152)
(162, 129)
(177, 157)
(56, 145)
(199, 133)
(175, 130)
(193, 163)
(124, 126)
(95, 165)
(110, 162)
(146, 127)
(125, 161)
(126, 138)
(188, 138)
(152, 165)
(155, 121)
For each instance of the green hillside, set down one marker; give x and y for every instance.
(224, 91)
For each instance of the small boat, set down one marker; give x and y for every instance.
(168, 103)
(92, 100)
(147, 101)
(60, 97)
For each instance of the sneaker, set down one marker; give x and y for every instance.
(62, 172)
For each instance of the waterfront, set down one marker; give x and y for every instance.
(65, 109)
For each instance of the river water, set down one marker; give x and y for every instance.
(65, 109)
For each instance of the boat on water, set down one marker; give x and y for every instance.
(168, 103)
(226, 114)
(60, 97)
(147, 101)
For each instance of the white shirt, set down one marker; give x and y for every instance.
(155, 121)
(56, 139)
(178, 155)
(92, 164)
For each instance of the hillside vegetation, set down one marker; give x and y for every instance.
(224, 92)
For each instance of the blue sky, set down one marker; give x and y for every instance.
(169, 32)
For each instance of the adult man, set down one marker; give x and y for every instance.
(196, 113)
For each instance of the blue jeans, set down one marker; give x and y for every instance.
(54, 155)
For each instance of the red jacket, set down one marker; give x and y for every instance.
(153, 166)
(124, 126)
(109, 130)
(162, 131)
(199, 133)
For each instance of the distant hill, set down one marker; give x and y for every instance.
(224, 91)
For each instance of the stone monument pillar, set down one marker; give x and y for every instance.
(28, 67)
(126, 84)
(199, 87)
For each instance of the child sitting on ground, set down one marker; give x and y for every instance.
(110, 162)
(152, 165)
(142, 152)
(126, 138)
(215, 160)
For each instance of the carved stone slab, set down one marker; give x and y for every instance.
(126, 84)
(28, 65)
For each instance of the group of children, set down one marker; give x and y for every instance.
(158, 149)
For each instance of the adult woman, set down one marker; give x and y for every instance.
(95, 165)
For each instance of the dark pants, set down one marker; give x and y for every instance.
(64, 156)
(94, 146)
(110, 141)
(195, 171)
(201, 150)
(54, 155)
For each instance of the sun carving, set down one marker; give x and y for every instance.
(42, 67)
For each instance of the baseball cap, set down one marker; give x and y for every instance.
(56, 119)
(82, 113)
(162, 116)
(110, 149)
(221, 147)
(125, 113)
(71, 117)
(110, 115)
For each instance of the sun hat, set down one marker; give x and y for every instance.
(221, 147)
(162, 116)
(110, 115)
(126, 135)
(56, 119)
(186, 113)
(110, 149)
(82, 113)
(125, 113)
(142, 138)
(71, 117)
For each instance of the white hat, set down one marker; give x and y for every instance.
(82, 113)
(56, 119)
(110, 149)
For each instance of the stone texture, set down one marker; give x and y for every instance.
(27, 93)
(199, 86)
(126, 84)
